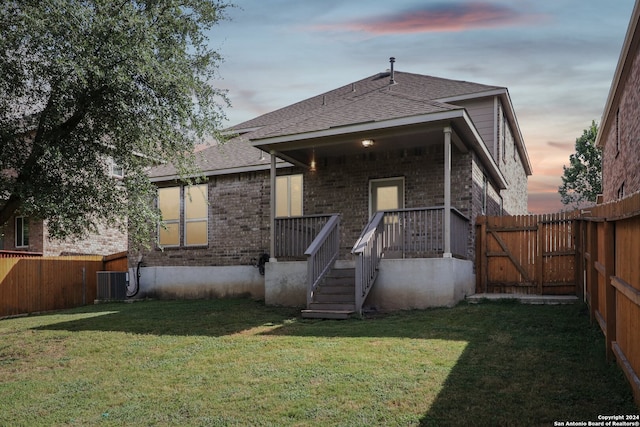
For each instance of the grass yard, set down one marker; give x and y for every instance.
(238, 363)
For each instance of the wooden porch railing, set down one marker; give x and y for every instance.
(419, 232)
(321, 254)
(404, 233)
(368, 251)
(294, 235)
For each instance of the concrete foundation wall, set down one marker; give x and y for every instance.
(199, 282)
(402, 284)
(285, 283)
(405, 284)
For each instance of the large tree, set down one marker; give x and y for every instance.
(85, 82)
(582, 179)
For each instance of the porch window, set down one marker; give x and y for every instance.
(169, 205)
(195, 215)
(22, 232)
(289, 196)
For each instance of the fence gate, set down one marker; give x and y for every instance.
(526, 254)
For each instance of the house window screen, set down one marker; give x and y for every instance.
(195, 213)
(22, 232)
(289, 195)
(169, 205)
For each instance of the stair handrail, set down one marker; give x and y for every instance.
(321, 254)
(368, 250)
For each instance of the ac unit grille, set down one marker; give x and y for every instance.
(112, 285)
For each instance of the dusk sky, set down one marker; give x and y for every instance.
(557, 59)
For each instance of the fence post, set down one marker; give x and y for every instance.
(610, 291)
(540, 242)
(481, 255)
(592, 273)
(578, 242)
(84, 285)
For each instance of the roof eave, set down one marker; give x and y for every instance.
(263, 143)
(457, 115)
(218, 172)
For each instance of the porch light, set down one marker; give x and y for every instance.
(367, 143)
(312, 165)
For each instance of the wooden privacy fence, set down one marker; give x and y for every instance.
(608, 246)
(593, 253)
(527, 254)
(35, 284)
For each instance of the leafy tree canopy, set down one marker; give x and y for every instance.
(85, 82)
(582, 179)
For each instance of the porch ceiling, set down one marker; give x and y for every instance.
(347, 140)
(394, 134)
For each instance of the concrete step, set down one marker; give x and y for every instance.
(327, 314)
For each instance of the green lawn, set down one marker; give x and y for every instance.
(237, 362)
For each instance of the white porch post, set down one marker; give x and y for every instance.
(272, 208)
(447, 192)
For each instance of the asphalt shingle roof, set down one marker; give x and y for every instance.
(367, 100)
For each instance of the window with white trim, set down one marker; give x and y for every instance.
(22, 232)
(289, 195)
(115, 170)
(195, 215)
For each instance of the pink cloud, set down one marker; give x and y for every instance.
(441, 17)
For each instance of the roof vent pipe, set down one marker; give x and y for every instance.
(392, 80)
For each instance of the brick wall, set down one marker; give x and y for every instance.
(239, 203)
(238, 225)
(620, 167)
(515, 197)
(35, 236)
(108, 240)
(341, 185)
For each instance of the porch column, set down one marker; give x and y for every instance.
(272, 209)
(447, 192)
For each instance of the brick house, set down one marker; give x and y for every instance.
(29, 235)
(620, 126)
(379, 180)
(25, 234)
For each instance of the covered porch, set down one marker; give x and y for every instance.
(386, 204)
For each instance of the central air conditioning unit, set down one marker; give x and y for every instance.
(112, 285)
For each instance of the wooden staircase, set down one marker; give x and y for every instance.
(335, 296)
